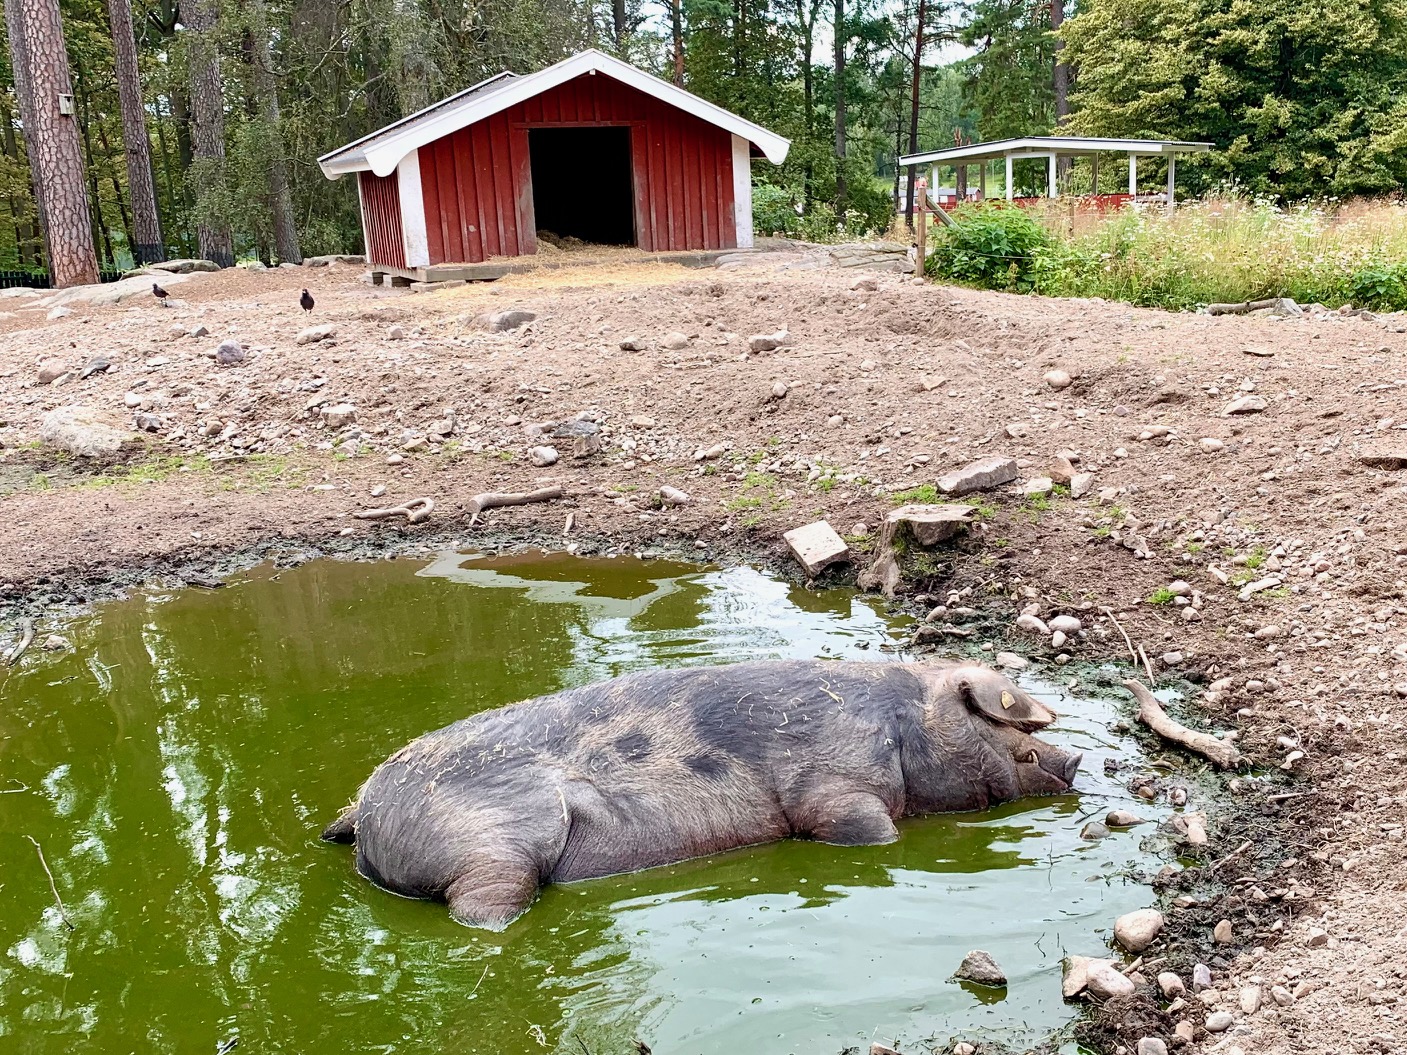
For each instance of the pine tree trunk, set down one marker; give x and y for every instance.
(280, 197)
(839, 26)
(147, 246)
(913, 111)
(19, 63)
(676, 27)
(1061, 78)
(208, 126)
(53, 143)
(620, 23)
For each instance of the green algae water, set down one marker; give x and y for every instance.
(177, 765)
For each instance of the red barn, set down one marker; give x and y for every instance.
(591, 147)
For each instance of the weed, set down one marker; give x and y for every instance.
(1162, 595)
(1257, 557)
(744, 502)
(924, 494)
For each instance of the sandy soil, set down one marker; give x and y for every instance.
(885, 389)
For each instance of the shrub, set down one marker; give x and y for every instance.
(995, 246)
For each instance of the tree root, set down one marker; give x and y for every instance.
(414, 511)
(496, 499)
(26, 639)
(1151, 713)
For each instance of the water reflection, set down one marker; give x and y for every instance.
(178, 764)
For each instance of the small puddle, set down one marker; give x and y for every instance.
(178, 764)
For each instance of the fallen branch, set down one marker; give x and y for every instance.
(52, 887)
(1151, 714)
(495, 500)
(1127, 640)
(26, 639)
(1234, 853)
(1244, 308)
(414, 511)
(1286, 796)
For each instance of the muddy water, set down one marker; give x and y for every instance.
(177, 765)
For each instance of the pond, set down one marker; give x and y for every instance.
(177, 765)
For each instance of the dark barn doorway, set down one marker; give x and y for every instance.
(582, 184)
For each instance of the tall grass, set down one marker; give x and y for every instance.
(1215, 250)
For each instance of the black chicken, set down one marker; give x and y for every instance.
(306, 300)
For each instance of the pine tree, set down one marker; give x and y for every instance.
(146, 223)
(207, 174)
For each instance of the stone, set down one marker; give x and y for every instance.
(1038, 487)
(544, 456)
(184, 266)
(333, 258)
(1106, 981)
(766, 342)
(978, 966)
(504, 321)
(672, 496)
(1244, 405)
(314, 334)
(882, 1049)
(1201, 977)
(1081, 484)
(394, 459)
(1151, 1046)
(1033, 624)
(1094, 831)
(230, 352)
(1248, 591)
(1058, 380)
(675, 341)
(1384, 459)
(779, 390)
(199, 330)
(378, 490)
(1317, 937)
(816, 546)
(337, 416)
(85, 432)
(1222, 933)
(1065, 623)
(1011, 661)
(1210, 444)
(632, 344)
(1135, 931)
(981, 475)
(97, 365)
(1123, 819)
(1185, 1031)
(1250, 999)
(147, 422)
(59, 312)
(1219, 1021)
(396, 333)
(1171, 984)
(929, 525)
(50, 370)
(54, 643)
(1061, 472)
(1281, 995)
(640, 421)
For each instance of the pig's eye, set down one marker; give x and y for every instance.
(1032, 759)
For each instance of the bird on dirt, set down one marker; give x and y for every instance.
(159, 293)
(306, 300)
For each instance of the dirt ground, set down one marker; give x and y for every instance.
(875, 392)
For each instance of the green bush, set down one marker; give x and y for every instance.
(991, 245)
(773, 210)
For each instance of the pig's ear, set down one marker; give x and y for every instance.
(998, 699)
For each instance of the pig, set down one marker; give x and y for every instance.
(657, 767)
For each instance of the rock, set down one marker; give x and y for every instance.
(779, 389)
(1011, 661)
(928, 525)
(632, 344)
(1317, 937)
(504, 321)
(544, 456)
(1038, 487)
(1106, 981)
(675, 341)
(1058, 380)
(60, 312)
(1248, 591)
(54, 643)
(50, 370)
(766, 342)
(865, 285)
(333, 258)
(97, 365)
(1058, 639)
(981, 475)
(1151, 1046)
(1033, 624)
(816, 546)
(184, 266)
(1123, 819)
(1135, 931)
(1244, 405)
(1201, 977)
(337, 416)
(314, 334)
(229, 352)
(1250, 999)
(394, 459)
(147, 422)
(1066, 623)
(1081, 484)
(1211, 444)
(1074, 976)
(642, 422)
(1219, 1021)
(199, 330)
(1061, 472)
(1281, 995)
(1094, 831)
(396, 333)
(1185, 1031)
(378, 490)
(85, 432)
(1384, 459)
(1171, 984)
(978, 966)
(1222, 932)
(672, 496)
(882, 1049)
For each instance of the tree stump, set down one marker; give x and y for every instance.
(924, 526)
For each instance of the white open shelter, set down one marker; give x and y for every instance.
(1052, 148)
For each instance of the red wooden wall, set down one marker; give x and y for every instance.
(477, 182)
(381, 215)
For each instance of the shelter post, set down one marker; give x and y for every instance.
(1172, 169)
(1009, 194)
(1133, 175)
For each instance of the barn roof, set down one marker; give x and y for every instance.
(383, 150)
